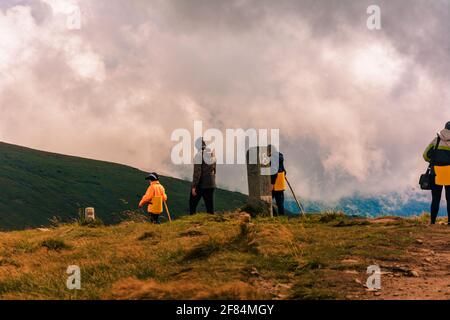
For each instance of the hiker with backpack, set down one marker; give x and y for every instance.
(438, 174)
(154, 197)
(204, 178)
(277, 178)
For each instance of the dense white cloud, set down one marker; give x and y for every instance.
(355, 107)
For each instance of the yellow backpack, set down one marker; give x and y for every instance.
(442, 175)
(280, 182)
(157, 205)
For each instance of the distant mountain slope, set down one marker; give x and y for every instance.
(408, 203)
(37, 185)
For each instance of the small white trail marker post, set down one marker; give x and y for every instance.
(89, 214)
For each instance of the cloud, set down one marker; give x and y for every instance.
(355, 107)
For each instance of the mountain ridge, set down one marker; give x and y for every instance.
(39, 185)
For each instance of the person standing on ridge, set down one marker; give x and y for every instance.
(277, 178)
(204, 178)
(154, 197)
(438, 154)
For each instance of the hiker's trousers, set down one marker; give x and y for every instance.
(208, 197)
(154, 218)
(279, 199)
(436, 193)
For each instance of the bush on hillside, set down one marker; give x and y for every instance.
(329, 216)
(88, 223)
(55, 244)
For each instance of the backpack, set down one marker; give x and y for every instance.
(426, 180)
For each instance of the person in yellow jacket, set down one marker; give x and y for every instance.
(154, 197)
(438, 154)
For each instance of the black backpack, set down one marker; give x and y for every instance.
(426, 180)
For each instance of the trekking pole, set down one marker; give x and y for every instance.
(167, 210)
(295, 198)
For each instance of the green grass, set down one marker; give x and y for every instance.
(202, 257)
(38, 186)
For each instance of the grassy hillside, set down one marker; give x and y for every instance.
(36, 186)
(229, 256)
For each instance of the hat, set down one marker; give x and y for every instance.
(200, 144)
(152, 176)
(447, 125)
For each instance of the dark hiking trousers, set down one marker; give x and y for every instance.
(208, 198)
(154, 218)
(279, 199)
(436, 193)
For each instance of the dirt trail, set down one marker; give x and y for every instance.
(424, 275)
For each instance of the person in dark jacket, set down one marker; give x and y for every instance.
(441, 170)
(278, 178)
(204, 178)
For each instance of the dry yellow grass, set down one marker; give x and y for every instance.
(133, 289)
(202, 257)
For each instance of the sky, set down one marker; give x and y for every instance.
(355, 107)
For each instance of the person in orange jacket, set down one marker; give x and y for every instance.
(154, 197)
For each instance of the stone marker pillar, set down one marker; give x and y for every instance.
(259, 186)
